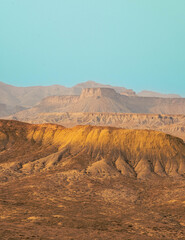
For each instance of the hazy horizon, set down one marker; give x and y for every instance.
(47, 85)
(135, 44)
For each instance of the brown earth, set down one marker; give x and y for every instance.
(90, 183)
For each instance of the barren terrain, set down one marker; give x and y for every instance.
(90, 183)
(171, 124)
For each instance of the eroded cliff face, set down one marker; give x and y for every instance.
(97, 151)
(98, 92)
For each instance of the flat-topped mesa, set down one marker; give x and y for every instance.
(98, 92)
(128, 92)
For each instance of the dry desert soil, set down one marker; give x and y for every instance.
(90, 182)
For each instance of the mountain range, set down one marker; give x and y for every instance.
(105, 100)
(17, 98)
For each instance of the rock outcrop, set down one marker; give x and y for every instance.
(96, 151)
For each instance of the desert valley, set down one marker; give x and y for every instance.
(91, 162)
(92, 120)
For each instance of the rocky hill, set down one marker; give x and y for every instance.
(98, 151)
(90, 183)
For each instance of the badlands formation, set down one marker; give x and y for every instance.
(90, 182)
(94, 150)
(123, 178)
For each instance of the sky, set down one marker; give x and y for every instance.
(138, 44)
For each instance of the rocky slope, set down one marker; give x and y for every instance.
(90, 183)
(94, 150)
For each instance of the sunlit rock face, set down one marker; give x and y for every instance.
(96, 150)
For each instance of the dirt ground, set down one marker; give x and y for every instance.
(55, 205)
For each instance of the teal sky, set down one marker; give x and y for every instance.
(138, 44)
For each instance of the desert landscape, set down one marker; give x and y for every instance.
(98, 165)
(92, 120)
(90, 181)
(106, 107)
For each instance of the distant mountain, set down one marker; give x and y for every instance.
(92, 84)
(105, 100)
(7, 110)
(3, 110)
(145, 93)
(29, 96)
(17, 98)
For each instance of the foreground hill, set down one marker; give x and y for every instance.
(90, 183)
(95, 150)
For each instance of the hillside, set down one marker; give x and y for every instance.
(97, 150)
(171, 124)
(90, 182)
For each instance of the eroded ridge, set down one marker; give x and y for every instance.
(92, 150)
